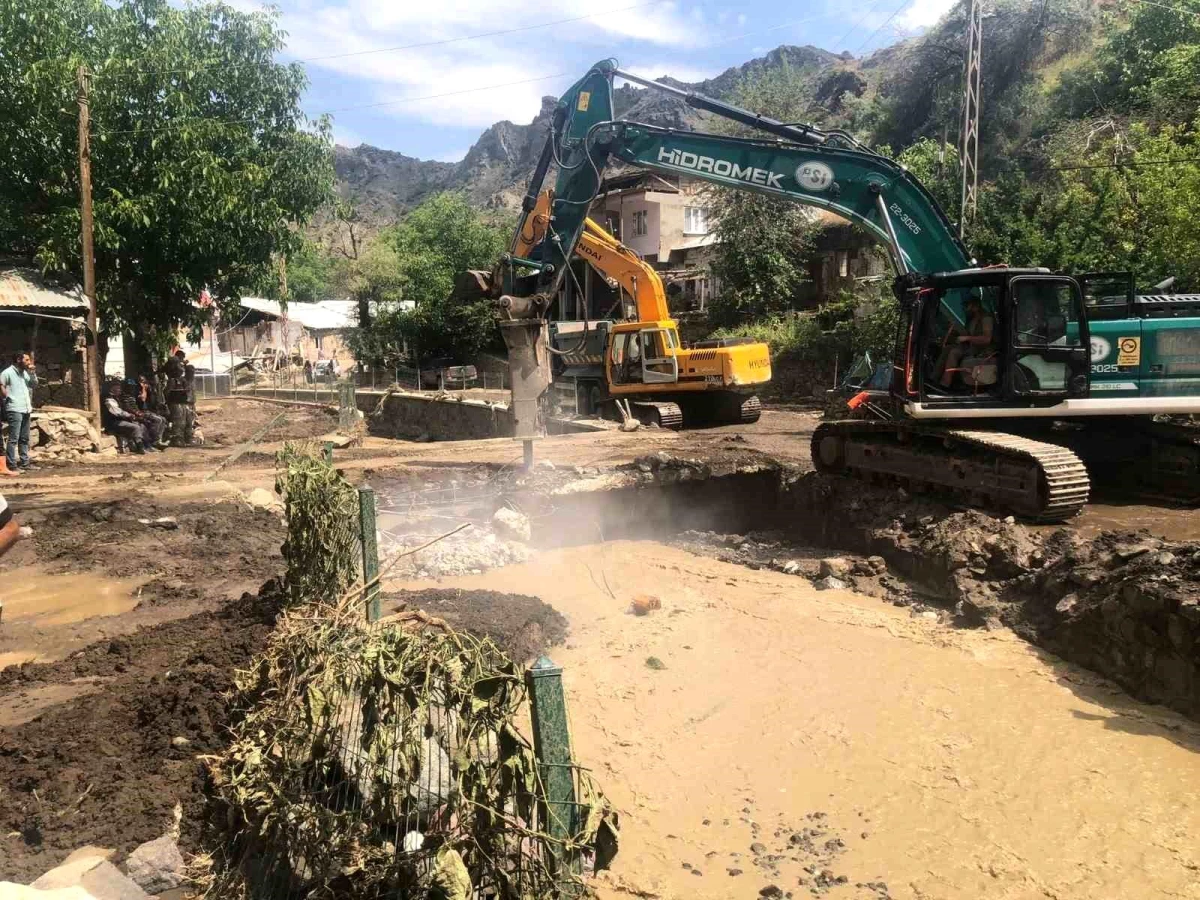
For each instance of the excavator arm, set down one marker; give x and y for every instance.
(606, 255)
(824, 170)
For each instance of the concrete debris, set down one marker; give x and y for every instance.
(90, 877)
(509, 523)
(836, 566)
(830, 583)
(261, 498)
(465, 553)
(67, 434)
(156, 866)
(167, 523)
(179, 742)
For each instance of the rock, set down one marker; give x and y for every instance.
(261, 498)
(878, 564)
(93, 877)
(166, 523)
(180, 743)
(758, 849)
(653, 662)
(156, 866)
(1067, 604)
(734, 873)
(771, 892)
(511, 524)
(829, 583)
(1165, 558)
(643, 604)
(835, 566)
(791, 567)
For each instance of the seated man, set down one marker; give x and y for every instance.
(152, 425)
(972, 348)
(121, 424)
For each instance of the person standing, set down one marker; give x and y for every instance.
(16, 384)
(177, 396)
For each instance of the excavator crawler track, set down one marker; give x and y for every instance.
(660, 413)
(988, 469)
(751, 409)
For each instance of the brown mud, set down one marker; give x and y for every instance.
(105, 762)
(520, 625)
(108, 766)
(232, 422)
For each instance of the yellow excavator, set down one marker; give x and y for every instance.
(638, 367)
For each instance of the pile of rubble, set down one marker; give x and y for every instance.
(57, 432)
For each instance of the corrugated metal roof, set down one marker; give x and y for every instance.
(26, 289)
(328, 315)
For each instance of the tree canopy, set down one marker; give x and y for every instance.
(203, 163)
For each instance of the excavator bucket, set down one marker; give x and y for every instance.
(472, 286)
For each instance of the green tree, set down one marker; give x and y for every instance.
(203, 162)
(762, 243)
(418, 261)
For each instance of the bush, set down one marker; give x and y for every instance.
(806, 348)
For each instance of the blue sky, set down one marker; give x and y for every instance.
(476, 82)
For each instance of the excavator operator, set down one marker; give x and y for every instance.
(974, 345)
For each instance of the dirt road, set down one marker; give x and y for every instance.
(950, 764)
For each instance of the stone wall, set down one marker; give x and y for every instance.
(433, 417)
(59, 361)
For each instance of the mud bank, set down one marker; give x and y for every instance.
(1126, 605)
(98, 748)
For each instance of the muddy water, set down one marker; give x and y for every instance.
(1174, 524)
(951, 764)
(39, 608)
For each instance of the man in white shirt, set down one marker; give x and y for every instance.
(16, 386)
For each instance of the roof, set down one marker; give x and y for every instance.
(22, 288)
(328, 315)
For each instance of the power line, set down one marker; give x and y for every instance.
(190, 119)
(1181, 11)
(397, 49)
(1120, 165)
(903, 6)
(857, 25)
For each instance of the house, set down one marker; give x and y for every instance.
(301, 331)
(665, 219)
(48, 320)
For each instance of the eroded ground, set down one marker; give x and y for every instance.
(753, 732)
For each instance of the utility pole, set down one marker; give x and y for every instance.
(970, 129)
(93, 375)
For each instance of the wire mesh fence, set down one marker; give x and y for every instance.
(391, 760)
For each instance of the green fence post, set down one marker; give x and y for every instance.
(370, 551)
(552, 746)
(327, 451)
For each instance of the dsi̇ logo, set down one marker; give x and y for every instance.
(1100, 349)
(814, 176)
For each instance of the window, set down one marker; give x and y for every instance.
(695, 220)
(640, 225)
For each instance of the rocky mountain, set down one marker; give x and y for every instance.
(384, 184)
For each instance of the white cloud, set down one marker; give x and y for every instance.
(741, 19)
(685, 73)
(923, 13)
(473, 82)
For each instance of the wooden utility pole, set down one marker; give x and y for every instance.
(93, 375)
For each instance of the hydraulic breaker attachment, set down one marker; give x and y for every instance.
(523, 327)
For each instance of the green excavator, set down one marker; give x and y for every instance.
(1002, 382)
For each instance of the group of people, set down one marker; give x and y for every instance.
(151, 414)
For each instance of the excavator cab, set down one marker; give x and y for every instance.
(992, 338)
